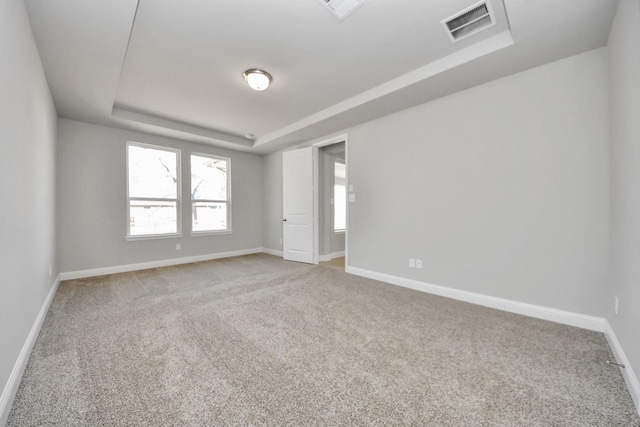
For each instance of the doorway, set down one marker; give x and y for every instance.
(315, 227)
(332, 203)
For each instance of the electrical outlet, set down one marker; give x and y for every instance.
(418, 263)
(616, 304)
(412, 263)
(178, 246)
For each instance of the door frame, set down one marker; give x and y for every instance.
(316, 194)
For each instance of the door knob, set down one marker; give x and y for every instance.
(284, 220)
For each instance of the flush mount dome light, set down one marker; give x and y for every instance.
(258, 79)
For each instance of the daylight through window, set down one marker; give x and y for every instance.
(153, 185)
(210, 193)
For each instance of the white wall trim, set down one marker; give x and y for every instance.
(559, 316)
(11, 387)
(81, 274)
(333, 140)
(272, 252)
(329, 257)
(627, 372)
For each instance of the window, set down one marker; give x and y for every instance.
(340, 197)
(153, 191)
(210, 193)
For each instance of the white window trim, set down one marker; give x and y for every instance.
(178, 233)
(153, 237)
(229, 228)
(210, 232)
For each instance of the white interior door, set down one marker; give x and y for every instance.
(298, 197)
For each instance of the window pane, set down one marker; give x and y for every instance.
(208, 216)
(152, 173)
(152, 217)
(208, 178)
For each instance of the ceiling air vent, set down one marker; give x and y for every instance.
(469, 21)
(341, 8)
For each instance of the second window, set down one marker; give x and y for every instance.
(210, 193)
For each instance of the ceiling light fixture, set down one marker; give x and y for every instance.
(258, 79)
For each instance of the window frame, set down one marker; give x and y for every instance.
(177, 200)
(192, 201)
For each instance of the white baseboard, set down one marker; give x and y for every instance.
(329, 257)
(11, 387)
(272, 252)
(559, 316)
(627, 372)
(81, 274)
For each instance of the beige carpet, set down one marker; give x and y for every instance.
(336, 264)
(255, 340)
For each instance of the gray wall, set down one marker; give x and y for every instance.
(92, 201)
(624, 72)
(27, 181)
(501, 189)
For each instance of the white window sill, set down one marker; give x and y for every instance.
(210, 233)
(153, 237)
(339, 231)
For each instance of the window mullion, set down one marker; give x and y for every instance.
(151, 199)
(210, 200)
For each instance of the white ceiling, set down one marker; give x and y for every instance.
(174, 68)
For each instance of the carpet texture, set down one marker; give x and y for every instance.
(336, 263)
(255, 340)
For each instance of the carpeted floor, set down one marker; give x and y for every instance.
(336, 263)
(256, 340)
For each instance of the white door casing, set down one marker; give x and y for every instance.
(298, 205)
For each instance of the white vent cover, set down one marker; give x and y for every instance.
(469, 21)
(341, 8)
